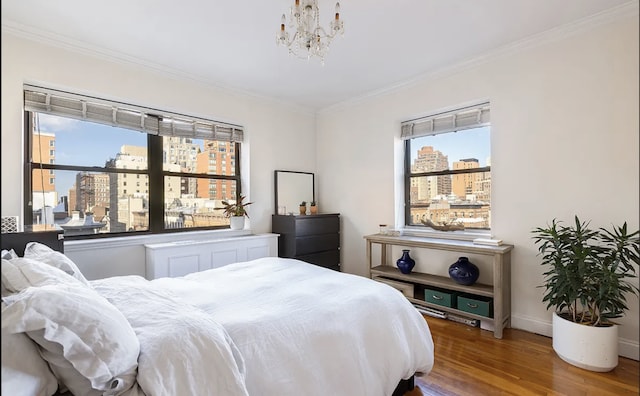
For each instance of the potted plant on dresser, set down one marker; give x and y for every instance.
(587, 282)
(236, 212)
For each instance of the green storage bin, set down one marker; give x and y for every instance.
(446, 298)
(478, 305)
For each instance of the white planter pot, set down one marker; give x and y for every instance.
(237, 222)
(587, 347)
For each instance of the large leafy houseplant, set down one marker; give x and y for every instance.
(587, 271)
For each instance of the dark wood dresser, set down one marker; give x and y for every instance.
(311, 238)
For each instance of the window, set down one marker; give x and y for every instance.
(100, 144)
(448, 170)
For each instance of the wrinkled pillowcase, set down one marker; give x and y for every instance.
(88, 343)
(8, 254)
(21, 273)
(44, 253)
(24, 372)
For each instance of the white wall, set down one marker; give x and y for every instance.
(564, 114)
(270, 128)
(564, 142)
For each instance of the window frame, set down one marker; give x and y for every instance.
(156, 177)
(431, 126)
(407, 184)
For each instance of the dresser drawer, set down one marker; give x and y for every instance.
(329, 259)
(317, 243)
(317, 225)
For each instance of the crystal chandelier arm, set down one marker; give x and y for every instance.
(336, 24)
(294, 38)
(295, 10)
(282, 37)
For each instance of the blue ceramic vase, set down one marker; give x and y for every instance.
(405, 263)
(464, 271)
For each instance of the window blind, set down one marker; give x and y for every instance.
(123, 115)
(469, 117)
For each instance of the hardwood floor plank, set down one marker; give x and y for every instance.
(471, 361)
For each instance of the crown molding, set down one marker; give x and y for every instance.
(623, 11)
(83, 48)
(615, 14)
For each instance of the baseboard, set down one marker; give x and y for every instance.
(626, 348)
(531, 325)
(629, 349)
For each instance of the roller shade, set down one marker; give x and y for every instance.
(466, 118)
(123, 115)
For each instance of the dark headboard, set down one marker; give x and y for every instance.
(18, 240)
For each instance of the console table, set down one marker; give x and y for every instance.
(499, 290)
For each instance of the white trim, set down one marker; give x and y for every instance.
(66, 43)
(626, 10)
(71, 246)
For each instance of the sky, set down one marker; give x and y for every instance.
(91, 144)
(85, 143)
(471, 143)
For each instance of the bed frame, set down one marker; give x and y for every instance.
(18, 240)
(404, 386)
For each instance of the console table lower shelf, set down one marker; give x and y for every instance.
(429, 283)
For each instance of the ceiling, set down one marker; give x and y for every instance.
(232, 44)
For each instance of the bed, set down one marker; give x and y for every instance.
(271, 326)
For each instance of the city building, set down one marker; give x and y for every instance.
(128, 192)
(43, 149)
(217, 158)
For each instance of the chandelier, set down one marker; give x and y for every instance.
(309, 38)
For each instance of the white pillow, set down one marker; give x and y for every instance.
(87, 341)
(44, 253)
(24, 372)
(8, 254)
(20, 273)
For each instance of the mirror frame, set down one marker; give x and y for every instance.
(282, 172)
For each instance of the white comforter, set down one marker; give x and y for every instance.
(183, 350)
(274, 327)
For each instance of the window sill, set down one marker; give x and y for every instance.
(456, 235)
(115, 242)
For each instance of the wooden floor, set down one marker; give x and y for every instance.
(470, 361)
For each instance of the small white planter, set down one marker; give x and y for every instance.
(587, 347)
(237, 222)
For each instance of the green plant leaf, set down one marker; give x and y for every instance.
(586, 271)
